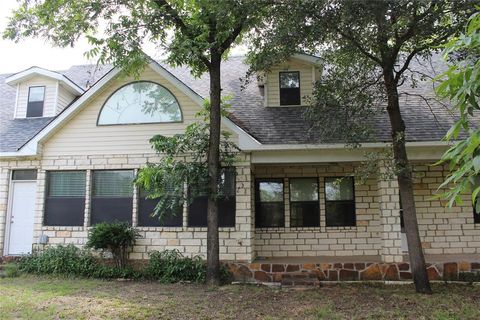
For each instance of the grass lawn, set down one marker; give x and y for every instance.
(29, 297)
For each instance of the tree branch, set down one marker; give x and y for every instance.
(235, 33)
(359, 46)
(428, 102)
(406, 64)
(180, 24)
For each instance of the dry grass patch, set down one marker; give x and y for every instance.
(53, 298)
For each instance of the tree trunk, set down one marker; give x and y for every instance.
(404, 177)
(213, 262)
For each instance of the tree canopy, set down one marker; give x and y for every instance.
(366, 47)
(461, 85)
(197, 33)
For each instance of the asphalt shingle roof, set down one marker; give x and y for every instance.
(269, 125)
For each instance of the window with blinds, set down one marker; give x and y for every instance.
(197, 209)
(112, 196)
(65, 198)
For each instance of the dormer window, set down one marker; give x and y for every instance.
(36, 98)
(290, 88)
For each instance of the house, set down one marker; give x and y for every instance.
(72, 141)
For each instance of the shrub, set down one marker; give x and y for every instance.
(170, 266)
(116, 237)
(59, 260)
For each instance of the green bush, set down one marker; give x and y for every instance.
(170, 266)
(116, 237)
(59, 260)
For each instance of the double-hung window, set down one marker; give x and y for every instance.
(340, 202)
(269, 210)
(112, 196)
(289, 88)
(146, 207)
(36, 98)
(304, 205)
(476, 213)
(65, 198)
(197, 209)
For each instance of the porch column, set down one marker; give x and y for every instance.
(242, 240)
(389, 206)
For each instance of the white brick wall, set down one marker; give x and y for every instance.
(442, 230)
(364, 239)
(236, 243)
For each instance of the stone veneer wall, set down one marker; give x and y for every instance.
(236, 243)
(443, 230)
(314, 273)
(363, 239)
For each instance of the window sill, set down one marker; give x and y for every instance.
(63, 228)
(340, 228)
(305, 229)
(182, 229)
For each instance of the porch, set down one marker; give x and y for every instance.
(303, 215)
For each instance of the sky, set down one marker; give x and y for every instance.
(15, 57)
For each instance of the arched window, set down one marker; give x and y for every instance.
(140, 102)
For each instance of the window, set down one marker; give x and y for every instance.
(476, 214)
(340, 202)
(140, 102)
(24, 175)
(290, 88)
(36, 97)
(402, 222)
(269, 209)
(112, 196)
(304, 206)
(65, 198)
(146, 207)
(197, 209)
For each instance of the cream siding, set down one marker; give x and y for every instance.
(272, 91)
(82, 136)
(49, 103)
(64, 98)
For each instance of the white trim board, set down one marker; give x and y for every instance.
(33, 71)
(425, 153)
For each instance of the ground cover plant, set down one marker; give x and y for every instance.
(69, 261)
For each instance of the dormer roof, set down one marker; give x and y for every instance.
(37, 71)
